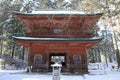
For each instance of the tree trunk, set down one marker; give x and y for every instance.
(115, 44)
(99, 56)
(23, 53)
(13, 50)
(1, 47)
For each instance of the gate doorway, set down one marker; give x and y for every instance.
(57, 58)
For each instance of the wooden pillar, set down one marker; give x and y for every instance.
(86, 58)
(67, 55)
(47, 60)
(87, 47)
(29, 59)
(47, 56)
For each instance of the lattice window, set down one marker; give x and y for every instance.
(76, 59)
(37, 59)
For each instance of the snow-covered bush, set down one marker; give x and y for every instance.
(7, 59)
(96, 66)
(19, 64)
(10, 61)
(1, 64)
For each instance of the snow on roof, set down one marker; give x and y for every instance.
(58, 12)
(57, 39)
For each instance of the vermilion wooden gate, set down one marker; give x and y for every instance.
(50, 35)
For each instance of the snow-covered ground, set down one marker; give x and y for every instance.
(97, 71)
(93, 75)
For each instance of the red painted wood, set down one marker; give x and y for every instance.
(43, 26)
(71, 26)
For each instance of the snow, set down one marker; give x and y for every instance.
(56, 65)
(93, 75)
(97, 71)
(57, 12)
(47, 39)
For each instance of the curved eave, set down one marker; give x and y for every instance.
(57, 13)
(32, 39)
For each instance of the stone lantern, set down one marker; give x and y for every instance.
(56, 71)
